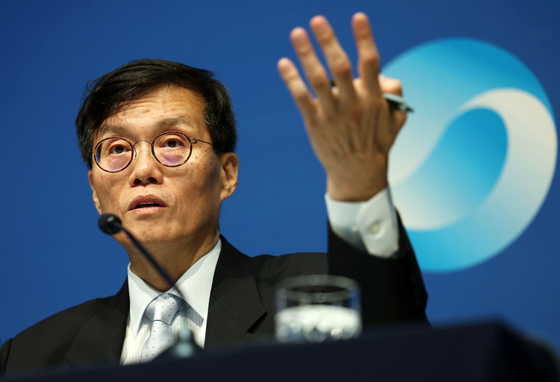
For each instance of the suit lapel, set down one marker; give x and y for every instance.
(102, 337)
(235, 303)
(235, 306)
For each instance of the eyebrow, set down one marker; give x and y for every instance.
(164, 123)
(181, 120)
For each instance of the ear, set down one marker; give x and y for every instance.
(230, 168)
(95, 199)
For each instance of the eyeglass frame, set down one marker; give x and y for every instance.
(192, 142)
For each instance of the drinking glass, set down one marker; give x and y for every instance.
(317, 308)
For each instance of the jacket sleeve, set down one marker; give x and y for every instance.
(4, 352)
(392, 288)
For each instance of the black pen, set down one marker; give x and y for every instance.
(397, 103)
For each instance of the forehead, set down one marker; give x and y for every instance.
(162, 109)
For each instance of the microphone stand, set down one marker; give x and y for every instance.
(184, 345)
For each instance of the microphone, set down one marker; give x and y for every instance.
(185, 345)
(110, 224)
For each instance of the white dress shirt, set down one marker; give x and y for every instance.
(195, 285)
(370, 226)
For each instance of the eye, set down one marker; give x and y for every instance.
(117, 149)
(172, 143)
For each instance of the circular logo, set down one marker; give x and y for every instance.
(474, 162)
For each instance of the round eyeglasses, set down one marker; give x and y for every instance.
(171, 149)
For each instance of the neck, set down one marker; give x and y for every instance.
(174, 258)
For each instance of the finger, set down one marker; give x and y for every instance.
(368, 55)
(336, 57)
(390, 85)
(297, 88)
(393, 86)
(314, 70)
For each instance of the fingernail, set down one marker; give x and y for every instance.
(320, 27)
(283, 65)
(361, 23)
(298, 37)
(361, 20)
(299, 40)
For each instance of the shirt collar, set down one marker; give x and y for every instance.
(195, 285)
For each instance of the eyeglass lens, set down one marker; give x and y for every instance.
(171, 149)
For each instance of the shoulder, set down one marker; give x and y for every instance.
(68, 320)
(47, 342)
(288, 265)
(273, 268)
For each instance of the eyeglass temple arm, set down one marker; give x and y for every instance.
(195, 141)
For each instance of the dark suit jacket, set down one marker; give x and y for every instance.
(241, 305)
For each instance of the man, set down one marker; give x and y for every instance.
(159, 140)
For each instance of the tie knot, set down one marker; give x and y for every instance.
(163, 308)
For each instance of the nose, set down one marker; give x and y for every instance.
(145, 168)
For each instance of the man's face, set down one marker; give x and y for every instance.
(187, 197)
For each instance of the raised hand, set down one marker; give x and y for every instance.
(350, 125)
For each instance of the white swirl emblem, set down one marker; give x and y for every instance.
(474, 163)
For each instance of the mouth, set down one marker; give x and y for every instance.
(149, 202)
(147, 205)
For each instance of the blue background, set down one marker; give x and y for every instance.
(52, 254)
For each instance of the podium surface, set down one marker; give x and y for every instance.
(476, 352)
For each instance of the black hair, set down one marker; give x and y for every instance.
(105, 95)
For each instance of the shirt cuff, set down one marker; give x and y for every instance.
(369, 226)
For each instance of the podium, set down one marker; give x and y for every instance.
(488, 351)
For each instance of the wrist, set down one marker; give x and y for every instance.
(355, 191)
